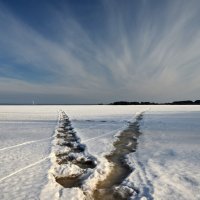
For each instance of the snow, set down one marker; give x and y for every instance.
(25, 137)
(166, 162)
(167, 159)
(96, 127)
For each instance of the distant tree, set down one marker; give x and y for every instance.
(134, 103)
(120, 103)
(188, 102)
(145, 103)
(197, 102)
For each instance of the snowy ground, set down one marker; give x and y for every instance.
(166, 162)
(19, 177)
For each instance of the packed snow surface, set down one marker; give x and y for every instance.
(166, 162)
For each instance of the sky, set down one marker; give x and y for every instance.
(99, 51)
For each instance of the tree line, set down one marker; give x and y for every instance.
(186, 102)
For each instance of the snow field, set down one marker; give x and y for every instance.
(166, 162)
(167, 159)
(25, 138)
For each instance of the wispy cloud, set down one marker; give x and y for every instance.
(145, 50)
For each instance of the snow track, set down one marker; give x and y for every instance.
(41, 140)
(112, 187)
(70, 154)
(103, 135)
(24, 168)
(25, 143)
(73, 169)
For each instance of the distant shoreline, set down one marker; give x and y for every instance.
(187, 102)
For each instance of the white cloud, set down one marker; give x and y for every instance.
(151, 56)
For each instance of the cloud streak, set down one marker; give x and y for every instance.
(145, 50)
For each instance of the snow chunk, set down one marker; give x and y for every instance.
(67, 170)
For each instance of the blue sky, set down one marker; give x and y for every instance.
(96, 51)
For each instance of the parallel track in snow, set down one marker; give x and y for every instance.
(112, 187)
(25, 143)
(24, 168)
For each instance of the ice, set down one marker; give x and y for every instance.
(165, 164)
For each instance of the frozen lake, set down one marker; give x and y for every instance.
(166, 161)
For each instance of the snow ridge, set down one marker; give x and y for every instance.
(74, 173)
(71, 163)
